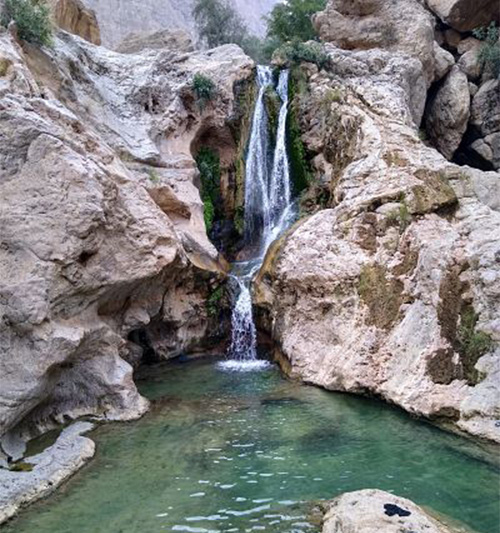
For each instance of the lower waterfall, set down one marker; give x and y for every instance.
(269, 210)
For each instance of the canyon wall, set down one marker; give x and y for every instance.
(104, 258)
(389, 285)
(119, 18)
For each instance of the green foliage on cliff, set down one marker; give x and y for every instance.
(291, 21)
(32, 18)
(473, 344)
(204, 89)
(299, 164)
(489, 52)
(214, 301)
(295, 53)
(209, 166)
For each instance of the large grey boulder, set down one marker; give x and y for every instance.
(449, 112)
(355, 25)
(376, 511)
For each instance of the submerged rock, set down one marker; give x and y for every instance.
(376, 511)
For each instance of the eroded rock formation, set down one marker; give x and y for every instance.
(104, 256)
(394, 289)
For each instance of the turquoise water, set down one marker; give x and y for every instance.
(240, 452)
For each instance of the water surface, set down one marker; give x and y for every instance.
(247, 451)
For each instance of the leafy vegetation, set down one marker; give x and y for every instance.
(209, 166)
(473, 344)
(291, 21)
(32, 18)
(218, 23)
(214, 300)
(489, 52)
(296, 52)
(204, 89)
(300, 168)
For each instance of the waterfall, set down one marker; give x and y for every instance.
(268, 212)
(257, 209)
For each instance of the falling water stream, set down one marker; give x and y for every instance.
(268, 212)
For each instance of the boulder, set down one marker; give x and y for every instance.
(444, 62)
(355, 25)
(465, 15)
(448, 113)
(376, 511)
(485, 119)
(73, 16)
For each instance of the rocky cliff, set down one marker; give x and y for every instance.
(104, 257)
(120, 18)
(392, 287)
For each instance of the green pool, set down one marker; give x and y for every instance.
(225, 451)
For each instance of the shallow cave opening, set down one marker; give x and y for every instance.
(140, 338)
(221, 186)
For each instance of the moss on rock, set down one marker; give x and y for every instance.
(382, 295)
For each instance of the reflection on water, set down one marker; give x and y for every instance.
(239, 452)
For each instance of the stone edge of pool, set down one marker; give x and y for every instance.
(51, 468)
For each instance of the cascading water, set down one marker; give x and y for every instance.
(268, 212)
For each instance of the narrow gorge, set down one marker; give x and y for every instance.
(250, 293)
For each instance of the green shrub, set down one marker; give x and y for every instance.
(296, 52)
(32, 18)
(204, 89)
(214, 301)
(209, 166)
(489, 51)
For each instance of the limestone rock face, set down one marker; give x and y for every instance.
(120, 18)
(465, 15)
(103, 248)
(449, 113)
(175, 40)
(374, 511)
(351, 24)
(384, 290)
(73, 16)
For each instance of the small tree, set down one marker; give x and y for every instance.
(291, 21)
(489, 51)
(204, 89)
(218, 23)
(32, 18)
